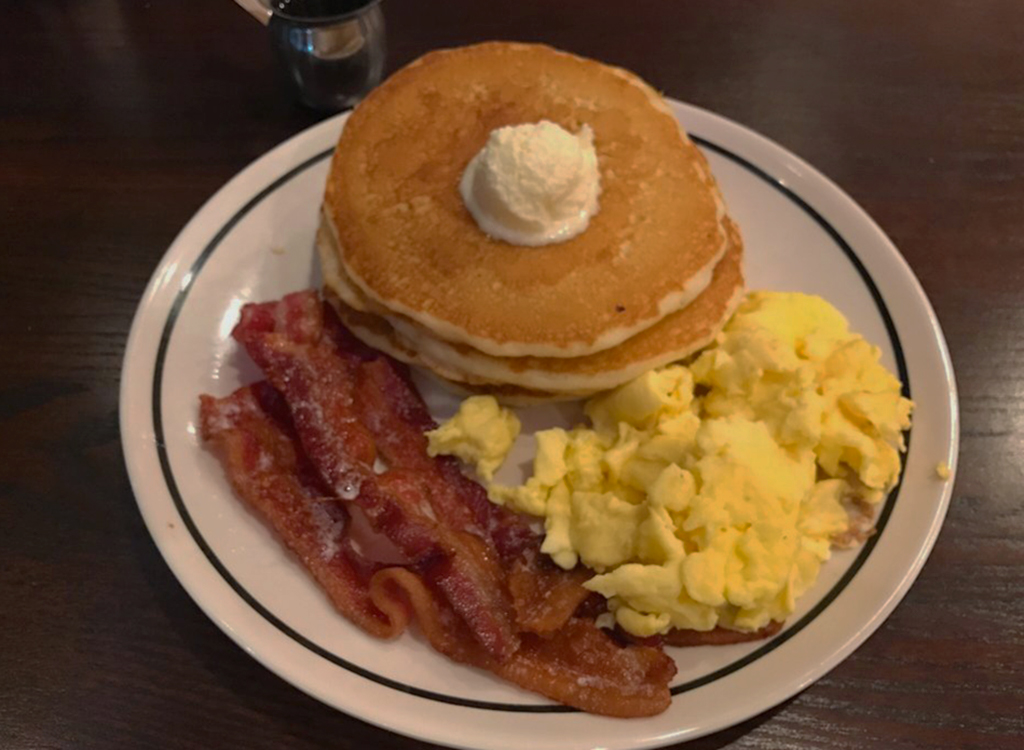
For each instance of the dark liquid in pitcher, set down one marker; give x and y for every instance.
(331, 58)
(311, 9)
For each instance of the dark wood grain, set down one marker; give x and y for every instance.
(119, 118)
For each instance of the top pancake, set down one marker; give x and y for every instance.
(407, 240)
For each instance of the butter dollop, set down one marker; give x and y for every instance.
(533, 184)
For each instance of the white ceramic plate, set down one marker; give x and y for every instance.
(254, 241)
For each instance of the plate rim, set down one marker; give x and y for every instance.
(158, 278)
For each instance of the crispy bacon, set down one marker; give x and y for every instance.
(320, 389)
(396, 415)
(252, 430)
(399, 432)
(579, 665)
(338, 433)
(582, 666)
(544, 595)
(298, 316)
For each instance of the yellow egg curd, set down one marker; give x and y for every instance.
(481, 433)
(707, 494)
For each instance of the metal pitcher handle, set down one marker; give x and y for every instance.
(256, 9)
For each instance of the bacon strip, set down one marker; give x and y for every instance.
(582, 666)
(252, 430)
(320, 388)
(579, 666)
(544, 595)
(317, 386)
(471, 574)
(393, 411)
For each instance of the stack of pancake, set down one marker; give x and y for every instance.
(652, 279)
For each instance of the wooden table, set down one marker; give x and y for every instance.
(118, 118)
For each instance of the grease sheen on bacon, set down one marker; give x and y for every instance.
(252, 428)
(303, 448)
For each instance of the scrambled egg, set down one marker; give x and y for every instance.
(707, 494)
(481, 433)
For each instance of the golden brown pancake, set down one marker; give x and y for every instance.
(673, 338)
(376, 332)
(407, 242)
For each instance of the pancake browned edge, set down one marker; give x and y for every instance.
(678, 336)
(402, 231)
(374, 332)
